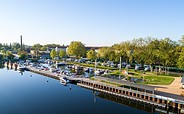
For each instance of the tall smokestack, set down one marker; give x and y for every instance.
(21, 42)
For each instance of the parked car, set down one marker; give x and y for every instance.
(146, 67)
(138, 67)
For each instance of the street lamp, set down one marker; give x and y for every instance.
(119, 66)
(95, 67)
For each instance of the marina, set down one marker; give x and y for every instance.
(133, 91)
(33, 93)
(92, 57)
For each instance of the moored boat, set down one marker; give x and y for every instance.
(63, 80)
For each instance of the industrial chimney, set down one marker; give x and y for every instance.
(21, 42)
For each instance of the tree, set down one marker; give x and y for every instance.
(53, 54)
(22, 56)
(103, 53)
(77, 49)
(91, 54)
(1, 57)
(43, 48)
(51, 45)
(15, 46)
(180, 62)
(182, 40)
(111, 55)
(9, 55)
(36, 48)
(62, 53)
(1, 45)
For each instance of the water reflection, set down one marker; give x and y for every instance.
(134, 103)
(40, 94)
(1, 65)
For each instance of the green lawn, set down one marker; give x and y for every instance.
(149, 77)
(158, 80)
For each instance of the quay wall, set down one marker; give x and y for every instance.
(153, 99)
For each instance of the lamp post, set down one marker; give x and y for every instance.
(56, 49)
(119, 66)
(95, 67)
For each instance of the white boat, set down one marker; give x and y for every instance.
(21, 67)
(63, 80)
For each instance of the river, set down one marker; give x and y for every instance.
(30, 93)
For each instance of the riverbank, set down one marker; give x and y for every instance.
(150, 98)
(131, 90)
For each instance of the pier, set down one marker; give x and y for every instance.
(53, 75)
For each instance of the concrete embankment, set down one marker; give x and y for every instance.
(138, 94)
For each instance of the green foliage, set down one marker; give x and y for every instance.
(180, 61)
(158, 80)
(182, 40)
(36, 47)
(15, 46)
(9, 55)
(51, 45)
(53, 54)
(22, 56)
(103, 53)
(1, 57)
(143, 51)
(62, 53)
(1, 45)
(91, 55)
(77, 49)
(43, 48)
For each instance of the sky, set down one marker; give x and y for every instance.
(93, 22)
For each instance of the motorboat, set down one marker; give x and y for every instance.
(21, 67)
(63, 81)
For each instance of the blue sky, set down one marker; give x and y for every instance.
(93, 22)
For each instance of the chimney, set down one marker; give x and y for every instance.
(21, 42)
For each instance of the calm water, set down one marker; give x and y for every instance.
(30, 93)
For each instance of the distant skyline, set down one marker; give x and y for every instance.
(93, 22)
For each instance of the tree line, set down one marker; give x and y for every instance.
(151, 51)
(148, 50)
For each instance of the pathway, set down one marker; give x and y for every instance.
(173, 88)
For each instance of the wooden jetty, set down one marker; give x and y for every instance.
(53, 75)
